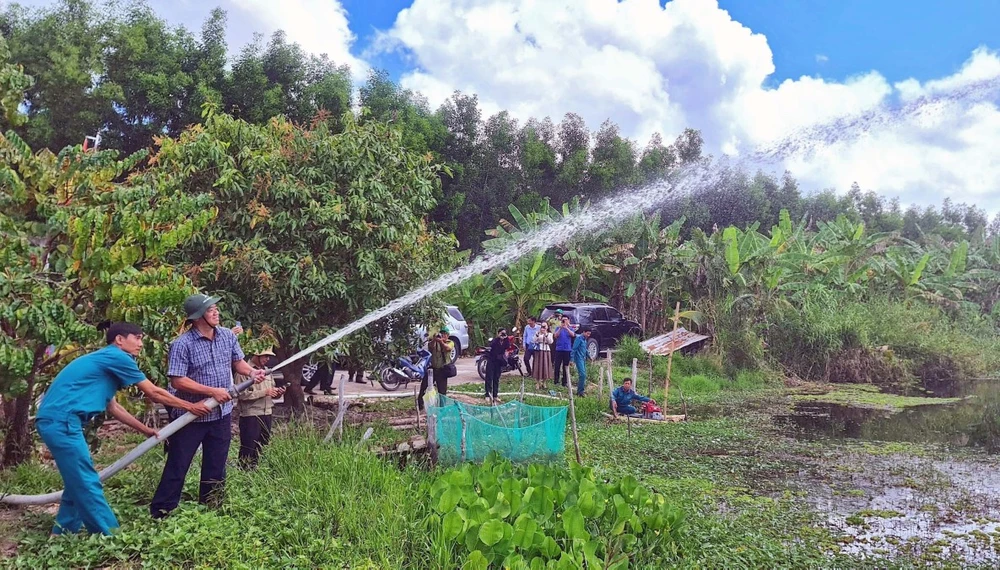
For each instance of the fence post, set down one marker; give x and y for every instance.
(341, 409)
(635, 371)
(432, 434)
(462, 417)
(670, 357)
(572, 415)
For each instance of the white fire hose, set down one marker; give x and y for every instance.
(140, 450)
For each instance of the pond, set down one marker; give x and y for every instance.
(972, 421)
(923, 480)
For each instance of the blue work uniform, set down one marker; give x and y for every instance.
(624, 400)
(579, 355)
(80, 392)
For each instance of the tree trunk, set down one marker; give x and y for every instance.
(17, 446)
(294, 397)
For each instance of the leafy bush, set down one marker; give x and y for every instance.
(545, 516)
(629, 347)
(880, 342)
(690, 366)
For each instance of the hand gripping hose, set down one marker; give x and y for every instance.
(136, 453)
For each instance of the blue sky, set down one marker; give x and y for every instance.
(922, 39)
(744, 72)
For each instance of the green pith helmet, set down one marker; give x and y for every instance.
(196, 305)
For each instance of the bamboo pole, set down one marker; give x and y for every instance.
(462, 416)
(649, 387)
(572, 415)
(635, 371)
(670, 357)
(600, 383)
(338, 423)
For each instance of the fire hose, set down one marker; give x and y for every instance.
(140, 450)
(171, 428)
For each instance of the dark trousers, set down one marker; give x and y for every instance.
(255, 432)
(560, 363)
(440, 382)
(213, 437)
(493, 370)
(529, 353)
(323, 377)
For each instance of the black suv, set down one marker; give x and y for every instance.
(606, 323)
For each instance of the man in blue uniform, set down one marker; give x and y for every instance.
(579, 355)
(82, 390)
(623, 396)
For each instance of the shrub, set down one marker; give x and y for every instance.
(629, 347)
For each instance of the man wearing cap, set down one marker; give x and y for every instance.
(579, 355)
(440, 347)
(255, 407)
(201, 363)
(83, 389)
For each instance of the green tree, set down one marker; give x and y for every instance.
(315, 229)
(77, 248)
(529, 284)
(62, 48)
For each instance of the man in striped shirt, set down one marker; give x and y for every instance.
(201, 363)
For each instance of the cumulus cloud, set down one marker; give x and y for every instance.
(319, 26)
(688, 63)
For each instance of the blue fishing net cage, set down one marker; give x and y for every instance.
(515, 430)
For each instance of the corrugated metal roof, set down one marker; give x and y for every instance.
(672, 341)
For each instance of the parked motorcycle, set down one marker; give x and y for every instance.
(412, 368)
(483, 356)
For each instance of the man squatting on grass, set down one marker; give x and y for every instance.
(82, 390)
(623, 396)
(201, 363)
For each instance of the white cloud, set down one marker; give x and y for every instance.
(820, 58)
(688, 63)
(319, 26)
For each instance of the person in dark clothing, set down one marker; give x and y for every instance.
(563, 337)
(324, 377)
(494, 366)
(255, 407)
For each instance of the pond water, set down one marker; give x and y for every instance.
(973, 421)
(877, 484)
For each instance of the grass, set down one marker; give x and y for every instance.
(314, 505)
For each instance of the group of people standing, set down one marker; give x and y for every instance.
(549, 347)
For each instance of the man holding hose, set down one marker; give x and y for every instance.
(82, 390)
(201, 363)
